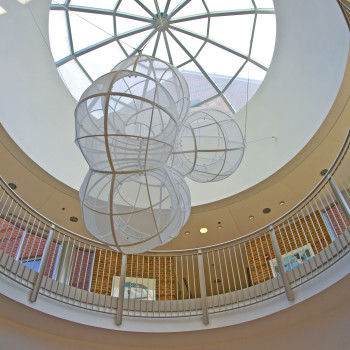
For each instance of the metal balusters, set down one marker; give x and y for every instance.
(194, 282)
(237, 290)
(340, 199)
(203, 288)
(234, 275)
(5, 222)
(329, 223)
(298, 247)
(336, 206)
(18, 229)
(239, 274)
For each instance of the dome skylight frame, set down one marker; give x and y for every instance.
(162, 28)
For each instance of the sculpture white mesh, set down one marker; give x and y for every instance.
(210, 146)
(166, 74)
(135, 212)
(127, 124)
(126, 121)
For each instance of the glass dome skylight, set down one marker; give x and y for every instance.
(223, 48)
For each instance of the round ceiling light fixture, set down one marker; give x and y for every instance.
(73, 219)
(266, 210)
(12, 185)
(203, 230)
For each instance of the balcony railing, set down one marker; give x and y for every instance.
(57, 263)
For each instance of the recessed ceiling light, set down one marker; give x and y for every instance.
(73, 219)
(12, 185)
(251, 217)
(203, 230)
(282, 203)
(323, 172)
(266, 210)
(187, 232)
(219, 227)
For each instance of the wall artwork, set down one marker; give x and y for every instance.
(135, 288)
(292, 259)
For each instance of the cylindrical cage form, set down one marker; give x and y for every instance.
(126, 121)
(209, 147)
(166, 74)
(134, 213)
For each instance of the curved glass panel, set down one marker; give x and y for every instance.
(223, 48)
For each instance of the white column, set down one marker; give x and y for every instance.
(280, 265)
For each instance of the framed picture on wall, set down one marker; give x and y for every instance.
(292, 259)
(135, 288)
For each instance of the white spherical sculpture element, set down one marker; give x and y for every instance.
(210, 146)
(166, 74)
(134, 213)
(126, 121)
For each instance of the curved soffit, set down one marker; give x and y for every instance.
(295, 97)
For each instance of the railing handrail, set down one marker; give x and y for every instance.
(217, 246)
(282, 218)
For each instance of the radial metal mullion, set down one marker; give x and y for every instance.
(94, 47)
(85, 9)
(69, 30)
(83, 69)
(106, 42)
(156, 44)
(133, 32)
(114, 25)
(144, 7)
(252, 35)
(234, 77)
(122, 48)
(221, 46)
(211, 41)
(167, 48)
(196, 63)
(143, 43)
(134, 17)
(178, 8)
(223, 14)
(117, 5)
(207, 34)
(166, 8)
(204, 73)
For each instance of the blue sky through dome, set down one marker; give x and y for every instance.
(214, 38)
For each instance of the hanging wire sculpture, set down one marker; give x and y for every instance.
(140, 139)
(210, 146)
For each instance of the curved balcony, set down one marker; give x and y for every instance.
(290, 260)
(276, 264)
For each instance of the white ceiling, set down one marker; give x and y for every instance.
(295, 97)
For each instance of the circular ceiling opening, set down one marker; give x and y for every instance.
(222, 48)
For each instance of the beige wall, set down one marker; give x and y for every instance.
(321, 322)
